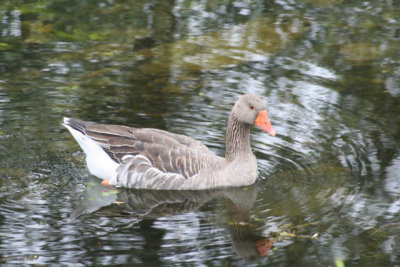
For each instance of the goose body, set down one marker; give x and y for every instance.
(149, 158)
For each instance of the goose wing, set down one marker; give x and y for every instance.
(167, 152)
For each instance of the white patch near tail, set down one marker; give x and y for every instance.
(97, 160)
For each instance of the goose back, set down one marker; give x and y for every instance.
(147, 156)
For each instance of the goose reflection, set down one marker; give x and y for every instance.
(146, 206)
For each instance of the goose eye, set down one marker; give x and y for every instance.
(251, 107)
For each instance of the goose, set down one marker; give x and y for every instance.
(147, 158)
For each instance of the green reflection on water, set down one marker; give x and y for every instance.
(174, 66)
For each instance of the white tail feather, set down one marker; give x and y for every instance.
(98, 161)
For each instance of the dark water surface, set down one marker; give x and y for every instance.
(328, 192)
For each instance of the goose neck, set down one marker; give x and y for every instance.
(237, 138)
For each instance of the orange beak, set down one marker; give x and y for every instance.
(263, 122)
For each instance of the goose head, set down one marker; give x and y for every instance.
(251, 109)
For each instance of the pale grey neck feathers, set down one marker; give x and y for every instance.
(237, 138)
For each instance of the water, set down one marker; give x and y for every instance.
(328, 190)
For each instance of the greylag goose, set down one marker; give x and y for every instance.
(147, 158)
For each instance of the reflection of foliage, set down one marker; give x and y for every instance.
(361, 52)
(106, 41)
(118, 60)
